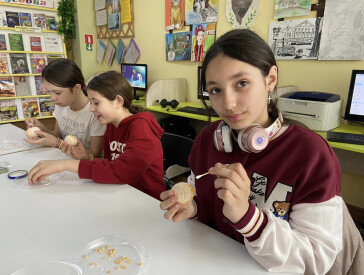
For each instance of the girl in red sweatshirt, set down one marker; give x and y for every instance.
(132, 149)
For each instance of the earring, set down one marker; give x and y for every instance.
(269, 98)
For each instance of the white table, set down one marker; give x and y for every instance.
(12, 138)
(55, 222)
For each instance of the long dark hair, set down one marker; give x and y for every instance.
(246, 46)
(64, 73)
(111, 84)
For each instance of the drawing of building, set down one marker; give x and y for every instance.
(291, 38)
(304, 30)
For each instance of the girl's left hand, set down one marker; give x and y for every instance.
(233, 186)
(43, 169)
(75, 151)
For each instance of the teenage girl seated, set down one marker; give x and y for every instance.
(132, 148)
(63, 79)
(273, 185)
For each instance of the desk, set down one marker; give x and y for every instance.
(169, 110)
(11, 140)
(55, 222)
(346, 146)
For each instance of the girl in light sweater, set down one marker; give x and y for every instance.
(132, 149)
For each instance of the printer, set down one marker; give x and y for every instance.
(318, 111)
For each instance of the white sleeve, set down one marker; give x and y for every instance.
(308, 244)
(191, 180)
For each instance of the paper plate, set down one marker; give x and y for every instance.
(10, 145)
(50, 268)
(115, 253)
(23, 182)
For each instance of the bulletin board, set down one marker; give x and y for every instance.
(126, 29)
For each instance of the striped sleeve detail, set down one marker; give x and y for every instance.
(252, 224)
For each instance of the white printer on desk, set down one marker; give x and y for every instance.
(318, 111)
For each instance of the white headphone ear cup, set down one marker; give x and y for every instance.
(242, 141)
(226, 139)
(218, 137)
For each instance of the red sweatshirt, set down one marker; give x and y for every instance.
(132, 155)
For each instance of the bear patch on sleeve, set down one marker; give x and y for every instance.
(281, 209)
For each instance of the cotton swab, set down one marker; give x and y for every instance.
(200, 176)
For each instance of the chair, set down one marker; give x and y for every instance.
(176, 150)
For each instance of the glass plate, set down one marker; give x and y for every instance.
(51, 179)
(115, 253)
(9, 145)
(5, 164)
(50, 268)
(4, 167)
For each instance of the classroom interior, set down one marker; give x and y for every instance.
(149, 33)
(307, 75)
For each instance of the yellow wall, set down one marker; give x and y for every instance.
(325, 76)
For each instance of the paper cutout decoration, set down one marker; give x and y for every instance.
(119, 51)
(101, 47)
(242, 13)
(109, 53)
(131, 52)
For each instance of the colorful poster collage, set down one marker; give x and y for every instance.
(191, 46)
(201, 17)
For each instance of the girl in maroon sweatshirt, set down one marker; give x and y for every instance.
(132, 149)
(278, 192)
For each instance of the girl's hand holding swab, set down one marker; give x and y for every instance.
(233, 187)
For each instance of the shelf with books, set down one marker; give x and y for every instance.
(18, 108)
(28, 42)
(54, 7)
(19, 120)
(25, 96)
(1, 75)
(32, 52)
(28, 30)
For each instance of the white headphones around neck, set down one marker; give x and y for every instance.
(252, 139)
